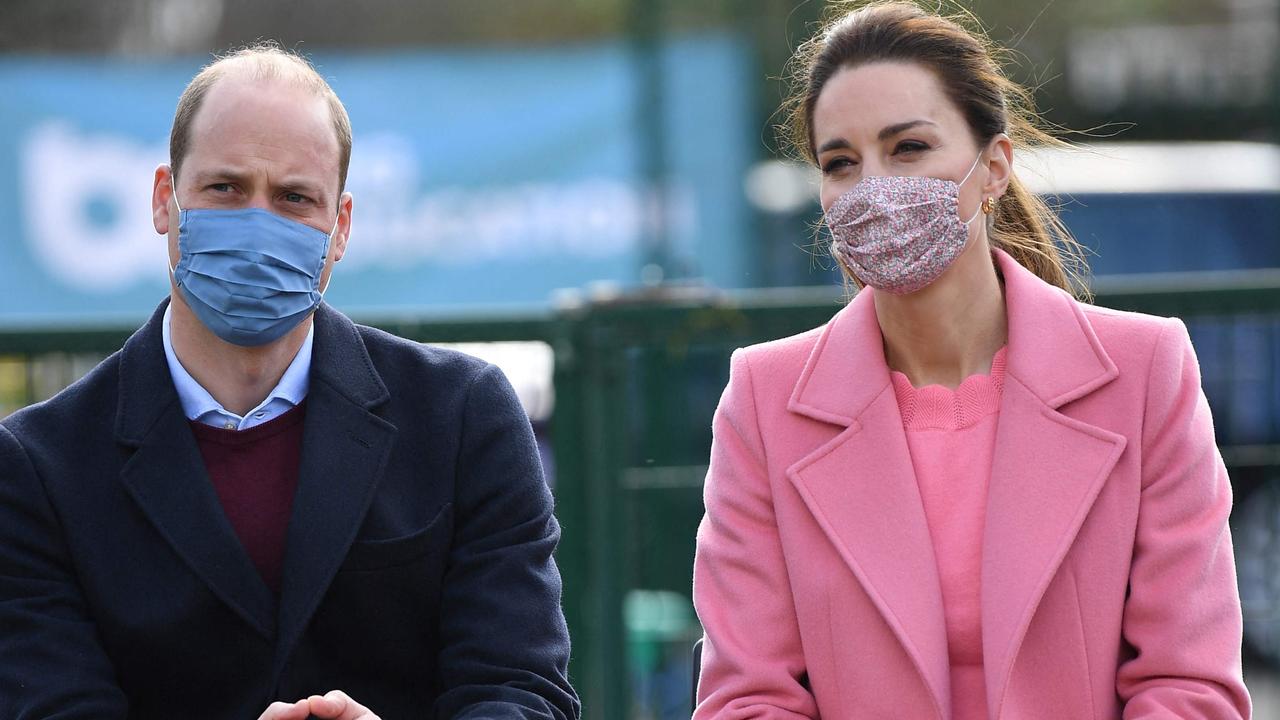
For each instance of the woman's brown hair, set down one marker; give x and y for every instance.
(968, 66)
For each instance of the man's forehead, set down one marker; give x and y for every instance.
(271, 118)
(236, 97)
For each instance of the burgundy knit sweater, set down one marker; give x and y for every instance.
(255, 473)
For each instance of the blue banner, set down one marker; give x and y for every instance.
(483, 180)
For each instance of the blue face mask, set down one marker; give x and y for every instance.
(249, 275)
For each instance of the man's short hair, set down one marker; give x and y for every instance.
(260, 61)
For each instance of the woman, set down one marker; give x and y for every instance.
(969, 495)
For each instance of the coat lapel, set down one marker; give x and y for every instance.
(861, 488)
(167, 479)
(345, 448)
(1048, 467)
(1047, 472)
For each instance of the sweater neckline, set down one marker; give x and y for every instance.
(936, 407)
(283, 422)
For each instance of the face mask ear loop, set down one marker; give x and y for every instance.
(972, 167)
(967, 175)
(326, 251)
(173, 186)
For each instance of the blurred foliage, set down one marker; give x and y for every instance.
(94, 25)
(1040, 32)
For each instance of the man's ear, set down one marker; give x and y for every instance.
(161, 194)
(343, 233)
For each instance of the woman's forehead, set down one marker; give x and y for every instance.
(865, 99)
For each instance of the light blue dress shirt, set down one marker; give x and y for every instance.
(199, 405)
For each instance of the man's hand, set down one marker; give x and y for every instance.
(300, 710)
(337, 705)
(333, 705)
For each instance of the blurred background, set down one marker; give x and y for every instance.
(589, 193)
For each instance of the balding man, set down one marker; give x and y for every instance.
(258, 508)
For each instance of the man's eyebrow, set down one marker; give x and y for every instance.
(296, 184)
(219, 174)
(891, 130)
(301, 185)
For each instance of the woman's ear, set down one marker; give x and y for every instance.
(999, 166)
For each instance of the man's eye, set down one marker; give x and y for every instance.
(220, 187)
(294, 198)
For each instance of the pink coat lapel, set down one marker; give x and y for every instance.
(1048, 467)
(1048, 470)
(862, 490)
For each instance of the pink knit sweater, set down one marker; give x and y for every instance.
(951, 435)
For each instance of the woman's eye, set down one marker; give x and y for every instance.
(837, 164)
(909, 146)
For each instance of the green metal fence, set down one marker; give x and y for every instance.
(637, 379)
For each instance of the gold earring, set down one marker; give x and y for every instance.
(988, 206)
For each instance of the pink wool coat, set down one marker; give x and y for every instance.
(1108, 585)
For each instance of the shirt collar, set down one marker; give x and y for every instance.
(197, 403)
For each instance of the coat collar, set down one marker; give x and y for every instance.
(860, 485)
(1052, 350)
(166, 477)
(345, 447)
(146, 388)
(339, 358)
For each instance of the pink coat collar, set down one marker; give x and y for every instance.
(1048, 470)
(1052, 350)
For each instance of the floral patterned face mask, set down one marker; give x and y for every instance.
(899, 234)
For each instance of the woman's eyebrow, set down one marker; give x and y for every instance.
(891, 130)
(887, 132)
(834, 144)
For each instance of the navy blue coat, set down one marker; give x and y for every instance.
(418, 571)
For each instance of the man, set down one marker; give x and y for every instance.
(257, 508)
